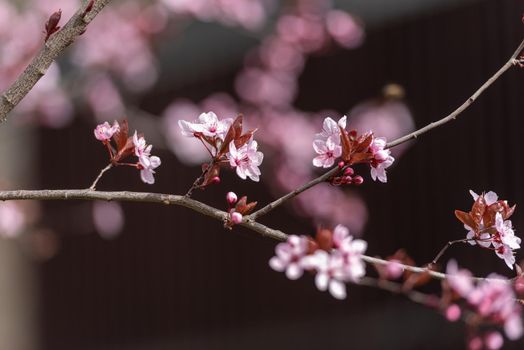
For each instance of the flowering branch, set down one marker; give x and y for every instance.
(169, 199)
(513, 60)
(51, 49)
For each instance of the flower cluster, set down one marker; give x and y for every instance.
(225, 143)
(127, 146)
(334, 257)
(334, 143)
(491, 301)
(488, 226)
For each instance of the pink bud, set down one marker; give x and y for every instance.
(453, 313)
(347, 179)
(349, 171)
(215, 180)
(341, 164)
(231, 198)
(493, 341)
(236, 218)
(394, 269)
(358, 180)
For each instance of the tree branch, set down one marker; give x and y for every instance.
(53, 48)
(511, 62)
(169, 199)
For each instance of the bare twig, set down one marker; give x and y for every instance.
(446, 247)
(53, 48)
(93, 186)
(169, 199)
(510, 63)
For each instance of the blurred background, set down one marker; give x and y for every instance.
(83, 275)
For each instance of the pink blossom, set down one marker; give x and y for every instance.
(207, 124)
(327, 152)
(12, 219)
(394, 269)
(506, 233)
(289, 256)
(459, 280)
(382, 159)
(505, 252)
(104, 132)
(331, 130)
(146, 162)
(246, 160)
(490, 197)
(379, 171)
(329, 272)
(146, 174)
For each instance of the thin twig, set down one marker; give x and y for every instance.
(443, 250)
(53, 48)
(93, 186)
(169, 199)
(511, 62)
(199, 179)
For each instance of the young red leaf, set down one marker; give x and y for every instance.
(324, 239)
(234, 131)
(346, 144)
(363, 142)
(124, 152)
(211, 174)
(465, 218)
(478, 209)
(122, 135)
(242, 140)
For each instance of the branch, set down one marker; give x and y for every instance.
(169, 199)
(53, 48)
(511, 62)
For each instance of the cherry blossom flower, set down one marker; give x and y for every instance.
(246, 160)
(331, 130)
(382, 159)
(146, 163)
(289, 256)
(104, 132)
(505, 252)
(490, 197)
(505, 232)
(146, 173)
(379, 171)
(459, 280)
(327, 152)
(207, 124)
(329, 272)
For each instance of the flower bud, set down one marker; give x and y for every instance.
(349, 172)
(215, 180)
(493, 341)
(341, 164)
(358, 180)
(347, 180)
(231, 198)
(236, 217)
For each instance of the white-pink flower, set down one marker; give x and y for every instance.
(147, 173)
(208, 124)
(490, 197)
(379, 171)
(331, 130)
(329, 272)
(505, 252)
(327, 152)
(459, 280)
(104, 132)
(289, 256)
(147, 163)
(506, 233)
(246, 160)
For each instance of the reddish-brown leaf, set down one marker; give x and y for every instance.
(122, 135)
(324, 239)
(360, 157)
(241, 205)
(242, 140)
(249, 208)
(125, 151)
(465, 218)
(234, 131)
(346, 144)
(478, 209)
(363, 142)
